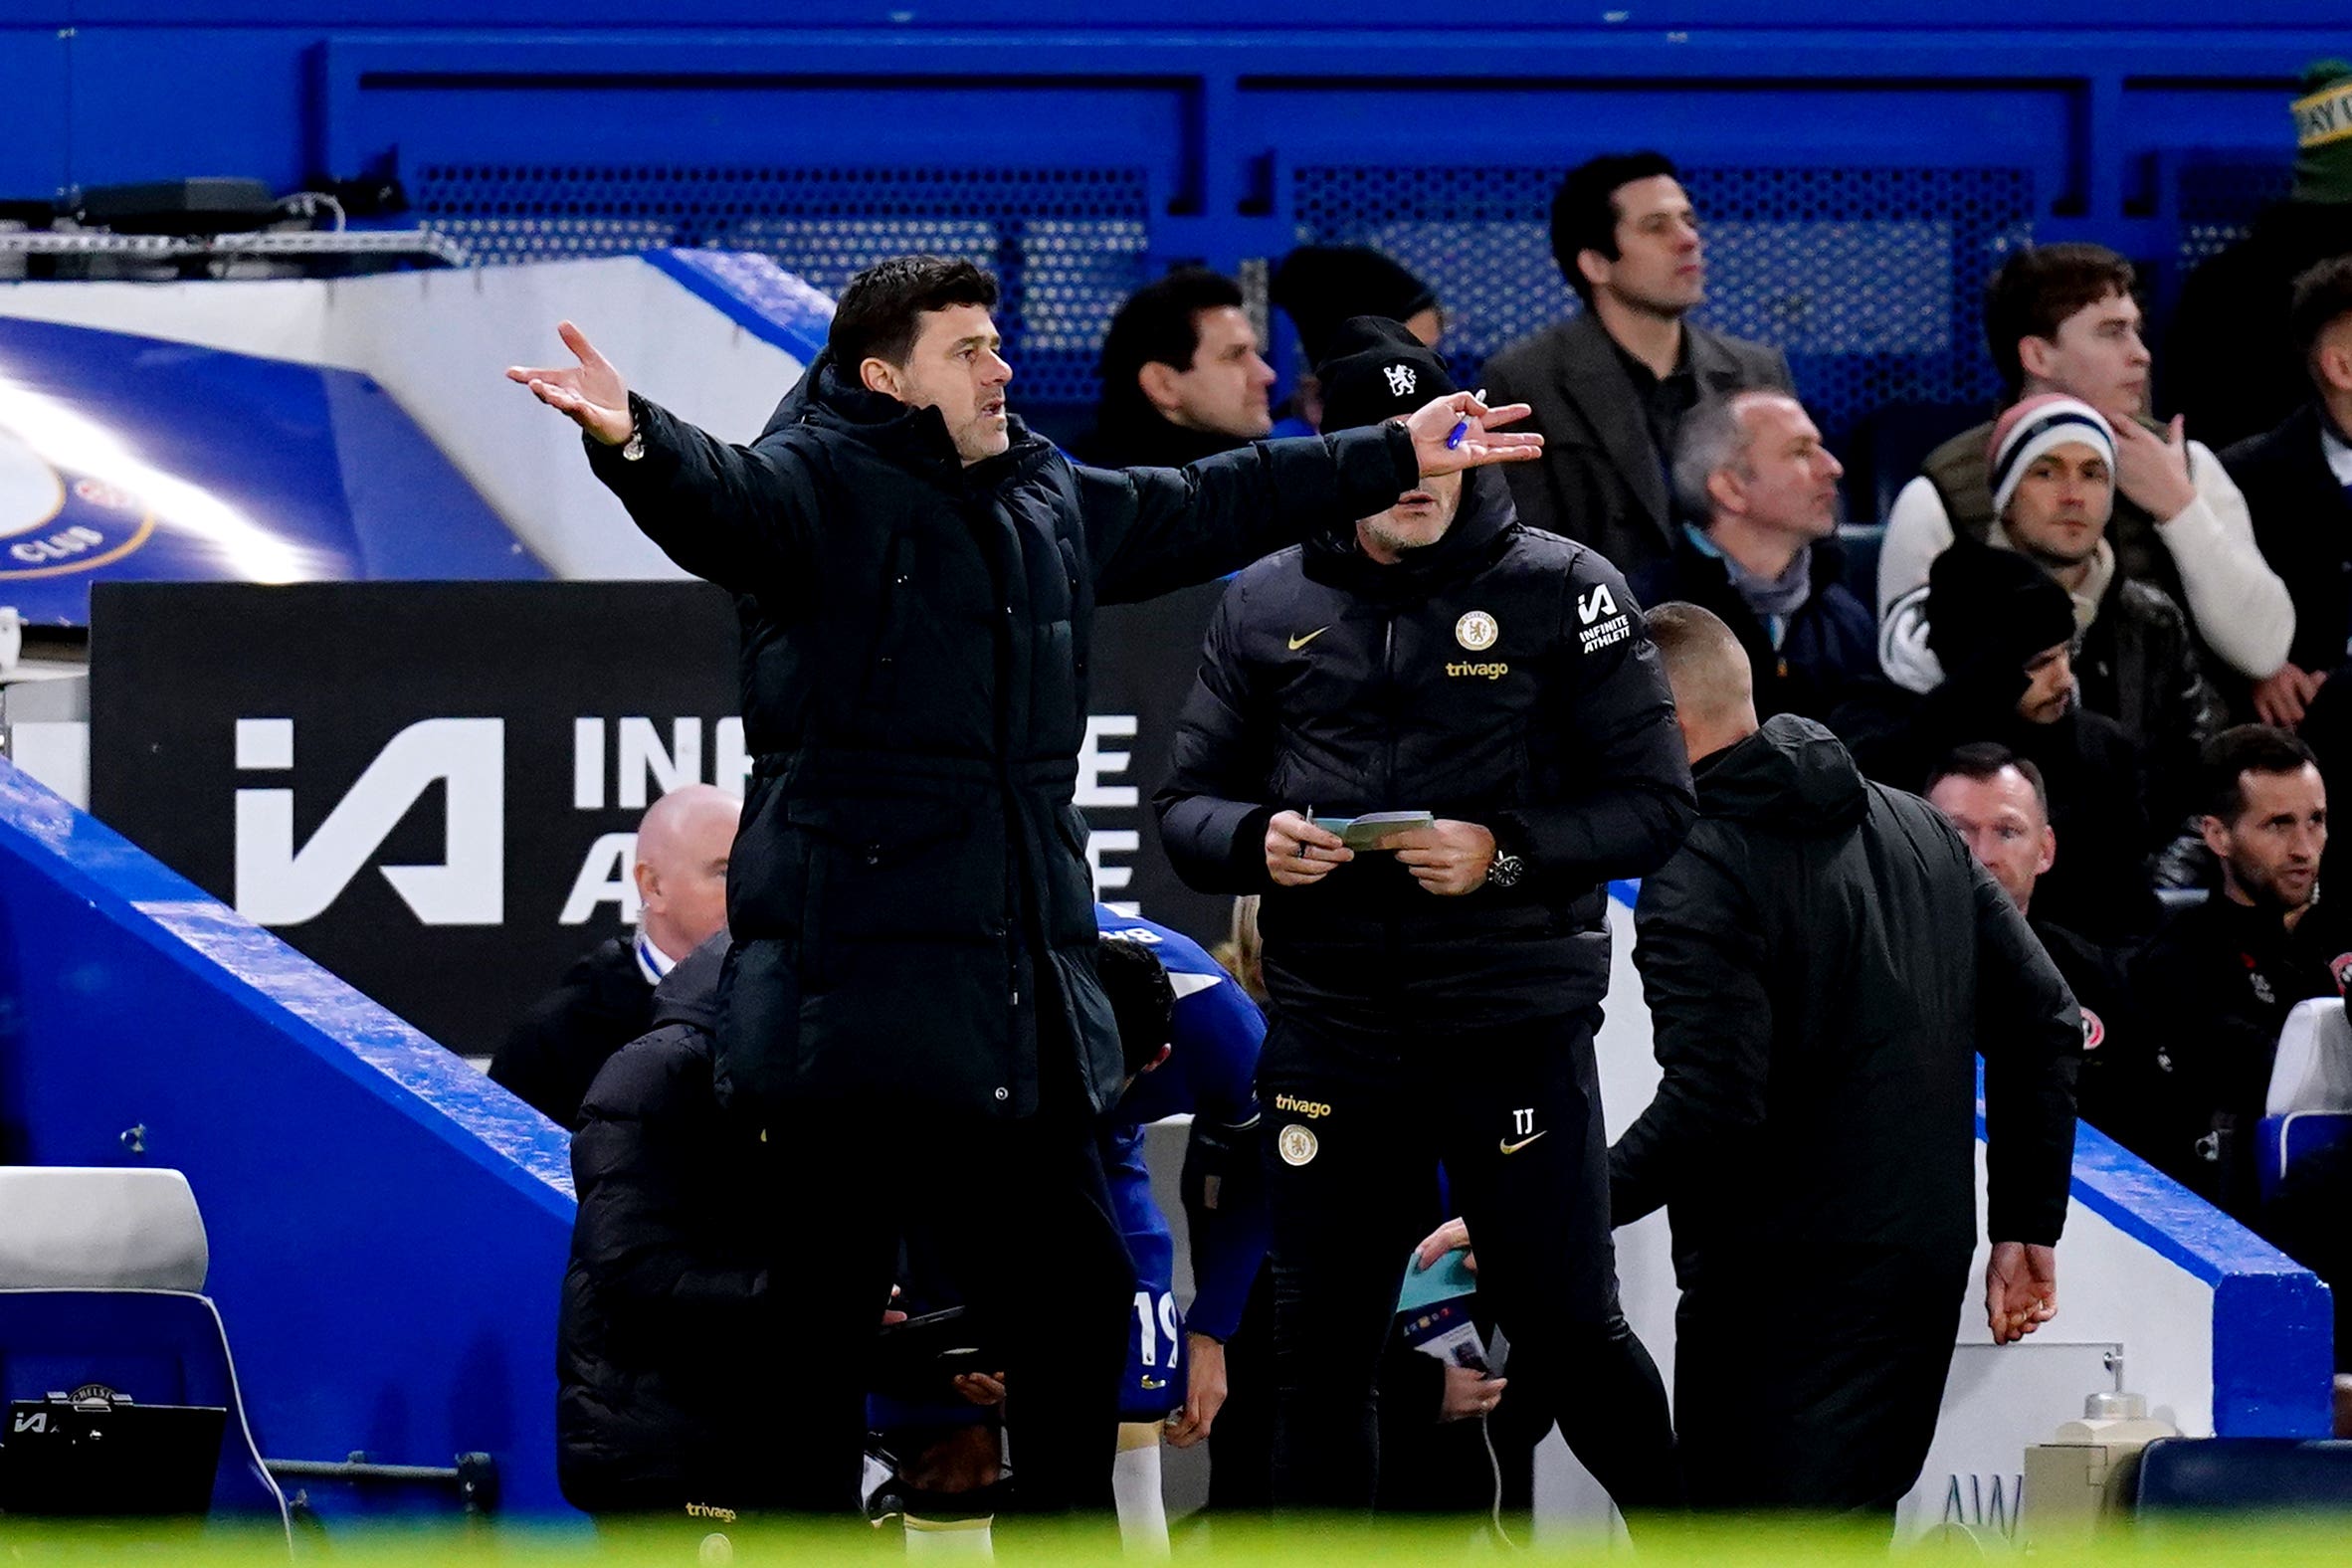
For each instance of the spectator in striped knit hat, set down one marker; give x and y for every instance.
(2051, 466)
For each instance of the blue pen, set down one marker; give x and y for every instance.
(1461, 426)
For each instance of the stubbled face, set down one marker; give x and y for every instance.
(2001, 820)
(1418, 521)
(955, 367)
(2096, 355)
(2050, 688)
(1787, 480)
(1660, 265)
(2059, 510)
(1226, 388)
(2269, 851)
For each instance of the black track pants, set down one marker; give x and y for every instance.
(1357, 1136)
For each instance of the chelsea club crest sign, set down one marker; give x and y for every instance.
(52, 523)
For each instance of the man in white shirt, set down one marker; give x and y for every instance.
(2062, 318)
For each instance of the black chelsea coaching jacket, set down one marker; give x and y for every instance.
(912, 912)
(1501, 675)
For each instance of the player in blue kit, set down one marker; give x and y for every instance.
(1190, 1037)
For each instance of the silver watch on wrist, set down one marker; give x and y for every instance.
(1505, 869)
(633, 449)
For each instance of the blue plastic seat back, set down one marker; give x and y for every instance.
(2244, 1474)
(2286, 1140)
(160, 1347)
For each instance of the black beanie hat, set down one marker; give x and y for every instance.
(1321, 285)
(1986, 603)
(1377, 370)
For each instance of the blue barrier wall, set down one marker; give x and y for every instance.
(1863, 176)
(388, 1229)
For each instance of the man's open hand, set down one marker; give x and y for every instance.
(2021, 1289)
(1447, 858)
(591, 394)
(1430, 424)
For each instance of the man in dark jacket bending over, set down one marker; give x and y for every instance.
(1435, 991)
(672, 1393)
(910, 1013)
(1823, 962)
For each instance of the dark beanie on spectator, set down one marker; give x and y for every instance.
(1986, 604)
(1321, 287)
(1377, 370)
(2322, 108)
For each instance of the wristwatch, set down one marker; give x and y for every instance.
(1505, 869)
(633, 449)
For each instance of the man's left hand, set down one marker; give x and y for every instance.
(1452, 1237)
(1204, 1391)
(2282, 700)
(2021, 1289)
(1447, 858)
(1432, 424)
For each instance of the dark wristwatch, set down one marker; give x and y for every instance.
(1505, 869)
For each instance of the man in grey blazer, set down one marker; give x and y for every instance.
(1612, 385)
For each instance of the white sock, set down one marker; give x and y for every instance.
(1135, 1483)
(949, 1539)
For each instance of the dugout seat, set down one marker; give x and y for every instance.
(2207, 1476)
(2313, 1068)
(2310, 1103)
(101, 1274)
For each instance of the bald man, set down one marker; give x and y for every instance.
(606, 998)
(1823, 961)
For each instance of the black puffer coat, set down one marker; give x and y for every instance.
(913, 911)
(1501, 675)
(1823, 962)
(668, 1374)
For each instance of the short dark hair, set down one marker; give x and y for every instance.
(2244, 749)
(1143, 999)
(1983, 760)
(1705, 664)
(2322, 297)
(2036, 289)
(1585, 212)
(881, 312)
(1160, 324)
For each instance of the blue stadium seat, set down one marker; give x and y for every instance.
(2290, 1139)
(2243, 1476)
(101, 1280)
